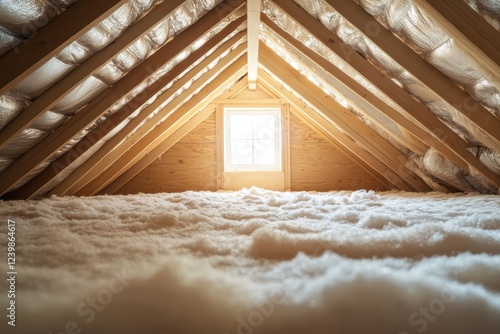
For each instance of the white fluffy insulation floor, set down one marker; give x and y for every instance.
(255, 261)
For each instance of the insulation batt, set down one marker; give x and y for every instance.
(257, 261)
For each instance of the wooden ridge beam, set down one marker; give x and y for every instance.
(468, 108)
(342, 117)
(448, 143)
(188, 106)
(61, 88)
(95, 109)
(253, 14)
(63, 29)
(163, 147)
(30, 189)
(334, 136)
(91, 167)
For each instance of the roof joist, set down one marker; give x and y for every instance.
(469, 109)
(25, 58)
(333, 135)
(163, 147)
(108, 152)
(448, 143)
(59, 90)
(103, 102)
(187, 107)
(31, 188)
(344, 119)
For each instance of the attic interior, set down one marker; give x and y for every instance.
(274, 166)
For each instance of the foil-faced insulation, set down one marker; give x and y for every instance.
(27, 139)
(5, 162)
(126, 61)
(488, 9)
(269, 38)
(435, 164)
(11, 104)
(430, 181)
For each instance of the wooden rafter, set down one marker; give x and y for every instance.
(33, 186)
(253, 14)
(63, 29)
(136, 150)
(60, 89)
(93, 165)
(341, 117)
(335, 137)
(158, 150)
(102, 103)
(470, 25)
(469, 108)
(361, 93)
(448, 143)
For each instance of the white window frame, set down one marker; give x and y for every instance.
(228, 165)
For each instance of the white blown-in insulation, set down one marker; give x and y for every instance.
(257, 262)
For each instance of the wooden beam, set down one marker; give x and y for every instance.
(134, 150)
(447, 142)
(31, 188)
(60, 89)
(330, 133)
(358, 93)
(342, 117)
(95, 109)
(472, 26)
(468, 108)
(91, 167)
(253, 28)
(63, 29)
(163, 147)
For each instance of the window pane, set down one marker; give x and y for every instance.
(240, 126)
(264, 152)
(264, 126)
(241, 152)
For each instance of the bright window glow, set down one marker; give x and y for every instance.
(252, 139)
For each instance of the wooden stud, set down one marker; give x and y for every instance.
(30, 188)
(219, 145)
(63, 29)
(468, 108)
(445, 140)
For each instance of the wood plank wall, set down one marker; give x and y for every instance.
(191, 164)
(318, 165)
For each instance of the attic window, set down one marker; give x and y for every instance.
(252, 139)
